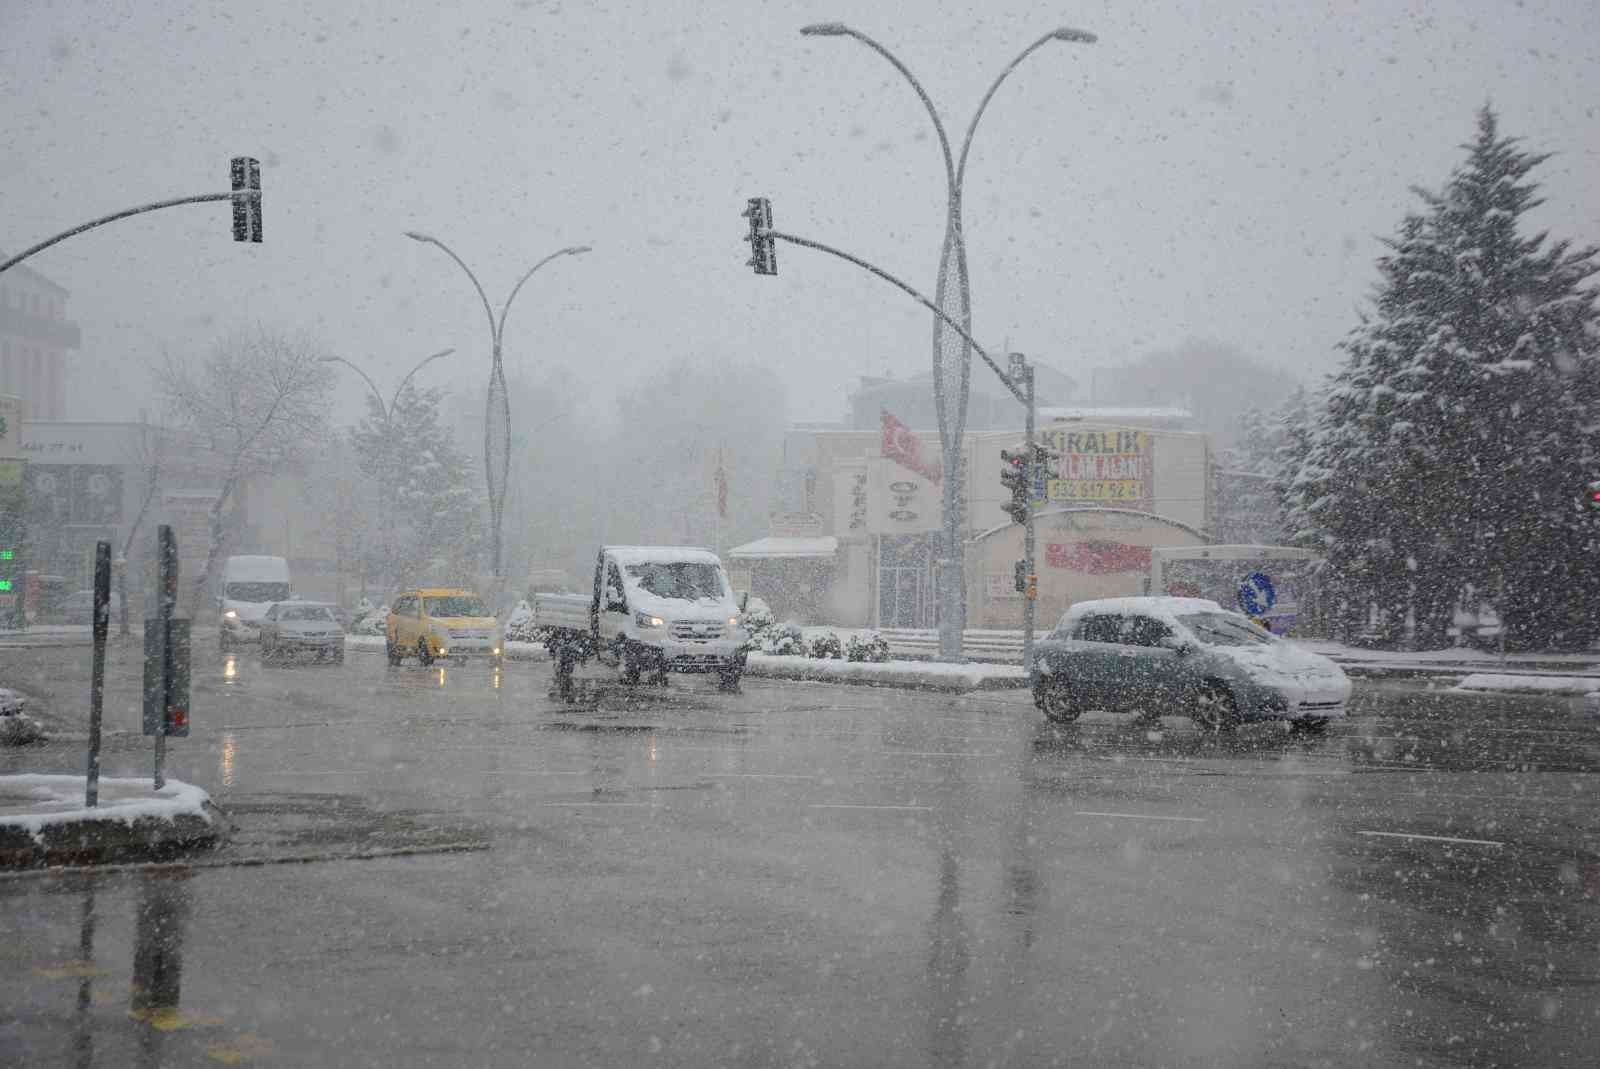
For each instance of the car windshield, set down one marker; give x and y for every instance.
(1225, 629)
(256, 592)
(305, 612)
(457, 605)
(679, 580)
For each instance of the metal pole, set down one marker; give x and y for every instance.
(238, 195)
(1030, 598)
(97, 674)
(166, 600)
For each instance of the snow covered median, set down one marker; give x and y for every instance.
(1514, 684)
(43, 819)
(916, 675)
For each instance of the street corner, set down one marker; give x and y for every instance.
(44, 821)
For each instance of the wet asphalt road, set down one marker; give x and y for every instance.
(807, 874)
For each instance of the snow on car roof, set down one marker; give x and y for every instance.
(249, 569)
(1159, 607)
(626, 555)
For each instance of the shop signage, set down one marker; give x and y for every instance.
(899, 501)
(1102, 467)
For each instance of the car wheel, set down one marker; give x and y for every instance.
(728, 682)
(424, 655)
(1054, 698)
(390, 650)
(338, 657)
(1214, 708)
(630, 667)
(1310, 725)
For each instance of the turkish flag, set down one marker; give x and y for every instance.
(904, 448)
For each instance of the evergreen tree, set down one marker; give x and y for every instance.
(1446, 465)
(430, 523)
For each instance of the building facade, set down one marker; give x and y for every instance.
(35, 337)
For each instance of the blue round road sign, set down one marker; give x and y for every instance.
(1257, 594)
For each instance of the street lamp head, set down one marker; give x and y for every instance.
(576, 250)
(1080, 37)
(416, 235)
(826, 29)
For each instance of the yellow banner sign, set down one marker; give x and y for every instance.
(1101, 467)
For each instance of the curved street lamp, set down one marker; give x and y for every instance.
(497, 402)
(952, 353)
(385, 492)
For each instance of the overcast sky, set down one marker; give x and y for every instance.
(1206, 170)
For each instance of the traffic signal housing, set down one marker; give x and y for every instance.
(1591, 496)
(763, 246)
(1014, 476)
(246, 174)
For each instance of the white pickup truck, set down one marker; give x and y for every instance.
(654, 610)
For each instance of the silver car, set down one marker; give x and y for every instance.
(291, 627)
(1159, 654)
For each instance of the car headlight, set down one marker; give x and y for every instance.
(230, 615)
(733, 621)
(644, 619)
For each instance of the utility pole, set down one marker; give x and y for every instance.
(1021, 369)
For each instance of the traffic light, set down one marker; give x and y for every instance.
(763, 246)
(1014, 477)
(1591, 496)
(1019, 576)
(247, 210)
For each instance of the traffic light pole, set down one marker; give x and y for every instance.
(243, 195)
(1031, 595)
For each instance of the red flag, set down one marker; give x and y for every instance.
(905, 449)
(1097, 558)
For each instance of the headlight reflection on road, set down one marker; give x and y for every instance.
(230, 668)
(228, 749)
(441, 677)
(652, 749)
(497, 679)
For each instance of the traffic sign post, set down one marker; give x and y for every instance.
(1257, 595)
(97, 675)
(166, 658)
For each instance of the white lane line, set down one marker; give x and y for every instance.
(941, 753)
(333, 772)
(594, 805)
(1137, 816)
(841, 805)
(755, 775)
(1430, 838)
(535, 772)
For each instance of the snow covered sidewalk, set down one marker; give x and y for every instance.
(1528, 684)
(914, 675)
(43, 820)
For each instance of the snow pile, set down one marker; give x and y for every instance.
(32, 803)
(914, 675)
(1513, 684)
(369, 620)
(827, 647)
(17, 728)
(784, 640)
(521, 625)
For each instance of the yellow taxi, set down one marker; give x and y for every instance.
(441, 622)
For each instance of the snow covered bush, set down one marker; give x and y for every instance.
(373, 622)
(520, 626)
(867, 646)
(758, 619)
(826, 647)
(784, 640)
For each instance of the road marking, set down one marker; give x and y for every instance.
(941, 753)
(333, 772)
(1137, 816)
(841, 805)
(756, 775)
(1430, 838)
(536, 772)
(595, 805)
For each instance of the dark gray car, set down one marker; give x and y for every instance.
(309, 627)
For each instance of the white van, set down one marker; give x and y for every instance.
(250, 586)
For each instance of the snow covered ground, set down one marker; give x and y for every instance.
(921, 675)
(1528, 684)
(515, 651)
(33, 803)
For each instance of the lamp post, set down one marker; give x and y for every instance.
(497, 403)
(952, 353)
(385, 492)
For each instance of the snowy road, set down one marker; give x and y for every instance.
(815, 874)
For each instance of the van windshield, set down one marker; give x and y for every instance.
(256, 592)
(680, 580)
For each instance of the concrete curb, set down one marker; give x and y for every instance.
(107, 840)
(903, 675)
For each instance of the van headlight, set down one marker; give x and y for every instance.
(230, 615)
(644, 619)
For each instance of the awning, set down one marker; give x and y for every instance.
(818, 547)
